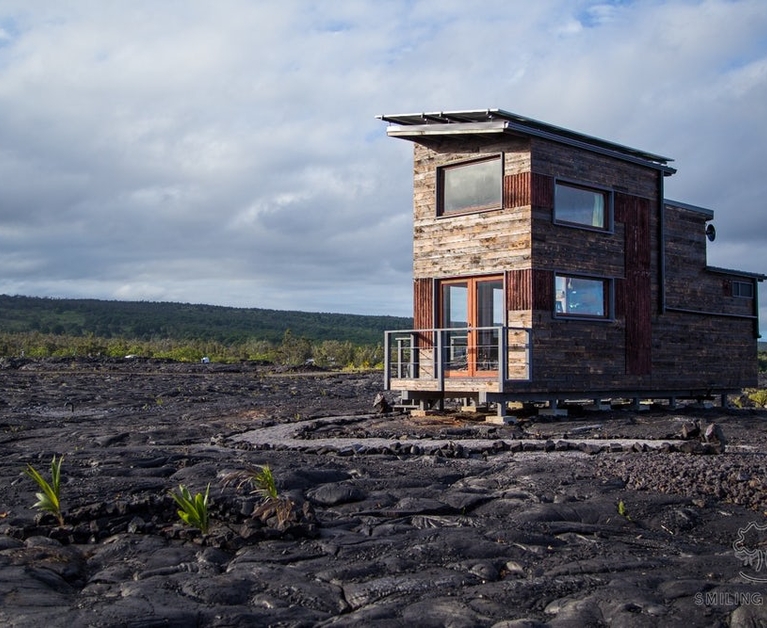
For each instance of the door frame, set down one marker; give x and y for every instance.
(473, 334)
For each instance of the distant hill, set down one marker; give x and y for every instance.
(144, 320)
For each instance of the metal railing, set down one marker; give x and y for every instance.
(474, 352)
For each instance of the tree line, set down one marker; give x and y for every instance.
(47, 327)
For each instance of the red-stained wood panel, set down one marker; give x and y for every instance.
(516, 190)
(423, 309)
(423, 303)
(634, 294)
(519, 289)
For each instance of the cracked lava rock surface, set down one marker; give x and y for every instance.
(386, 520)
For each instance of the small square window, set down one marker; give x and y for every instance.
(582, 206)
(743, 289)
(582, 296)
(470, 186)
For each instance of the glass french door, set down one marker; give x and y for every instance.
(472, 310)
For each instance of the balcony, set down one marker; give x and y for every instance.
(461, 360)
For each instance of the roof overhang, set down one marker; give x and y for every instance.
(468, 128)
(708, 213)
(736, 273)
(426, 127)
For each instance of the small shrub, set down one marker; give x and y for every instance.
(262, 481)
(49, 500)
(193, 511)
(759, 397)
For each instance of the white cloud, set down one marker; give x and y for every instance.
(228, 153)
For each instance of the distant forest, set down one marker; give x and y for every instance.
(145, 321)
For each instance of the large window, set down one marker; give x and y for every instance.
(582, 296)
(582, 206)
(470, 186)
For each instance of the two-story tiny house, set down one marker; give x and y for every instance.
(549, 265)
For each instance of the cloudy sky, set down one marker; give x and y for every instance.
(228, 153)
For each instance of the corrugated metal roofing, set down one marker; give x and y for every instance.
(442, 122)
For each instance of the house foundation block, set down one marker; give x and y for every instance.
(506, 419)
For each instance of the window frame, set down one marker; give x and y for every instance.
(608, 298)
(609, 205)
(440, 187)
(737, 287)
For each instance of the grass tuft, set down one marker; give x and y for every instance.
(193, 511)
(49, 499)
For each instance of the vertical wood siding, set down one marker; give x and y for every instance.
(519, 290)
(423, 303)
(516, 189)
(633, 298)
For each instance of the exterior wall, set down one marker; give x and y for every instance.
(583, 355)
(704, 325)
(703, 352)
(474, 243)
(653, 343)
(689, 285)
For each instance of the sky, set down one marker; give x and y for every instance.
(228, 153)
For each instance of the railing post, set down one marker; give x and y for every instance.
(503, 357)
(438, 362)
(387, 360)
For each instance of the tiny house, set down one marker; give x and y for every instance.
(548, 265)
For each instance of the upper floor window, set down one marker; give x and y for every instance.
(582, 206)
(582, 296)
(470, 186)
(743, 289)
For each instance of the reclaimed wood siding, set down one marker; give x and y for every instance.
(703, 352)
(569, 354)
(519, 290)
(634, 295)
(475, 243)
(423, 303)
(688, 284)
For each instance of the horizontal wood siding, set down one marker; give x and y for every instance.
(543, 290)
(542, 191)
(688, 284)
(484, 242)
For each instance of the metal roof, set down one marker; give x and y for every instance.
(420, 125)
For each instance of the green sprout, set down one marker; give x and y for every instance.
(49, 500)
(262, 481)
(193, 510)
(623, 511)
(265, 484)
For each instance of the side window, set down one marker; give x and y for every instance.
(582, 206)
(470, 186)
(582, 296)
(743, 289)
